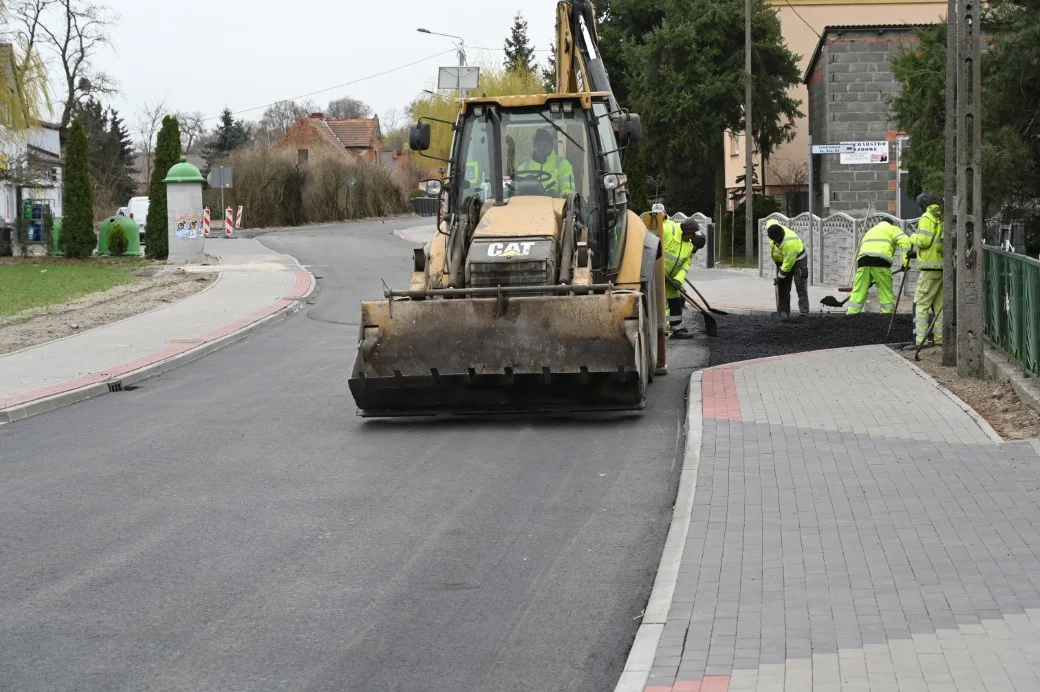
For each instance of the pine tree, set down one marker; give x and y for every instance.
(519, 51)
(120, 155)
(229, 136)
(111, 152)
(167, 154)
(77, 232)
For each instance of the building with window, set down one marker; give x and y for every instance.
(851, 85)
(803, 23)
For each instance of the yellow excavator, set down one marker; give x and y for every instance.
(542, 291)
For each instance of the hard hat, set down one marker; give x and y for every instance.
(657, 209)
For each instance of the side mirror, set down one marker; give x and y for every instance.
(630, 128)
(433, 188)
(419, 137)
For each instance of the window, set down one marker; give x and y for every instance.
(734, 144)
(303, 155)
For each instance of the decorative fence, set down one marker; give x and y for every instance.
(833, 246)
(1011, 305)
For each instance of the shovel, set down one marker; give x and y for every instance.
(891, 322)
(832, 302)
(704, 300)
(711, 325)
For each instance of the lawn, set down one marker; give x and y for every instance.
(48, 281)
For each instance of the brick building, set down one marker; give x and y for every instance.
(359, 139)
(850, 85)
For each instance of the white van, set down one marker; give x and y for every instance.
(137, 209)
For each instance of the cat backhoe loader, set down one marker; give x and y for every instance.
(542, 290)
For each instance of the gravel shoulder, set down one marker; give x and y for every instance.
(152, 288)
(995, 401)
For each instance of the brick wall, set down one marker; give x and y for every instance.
(850, 103)
(303, 136)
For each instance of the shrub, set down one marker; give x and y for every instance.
(276, 190)
(117, 241)
(167, 154)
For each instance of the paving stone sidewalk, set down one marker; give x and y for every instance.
(254, 284)
(834, 544)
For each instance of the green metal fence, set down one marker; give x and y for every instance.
(1012, 305)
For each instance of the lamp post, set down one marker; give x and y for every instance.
(460, 47)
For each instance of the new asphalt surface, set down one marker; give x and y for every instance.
(234, 525)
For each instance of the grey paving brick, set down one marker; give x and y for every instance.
(839, 545)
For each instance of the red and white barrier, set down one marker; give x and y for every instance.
(238, 218)
(229, 222)
(205, 222)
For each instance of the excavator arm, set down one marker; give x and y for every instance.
(579, 65)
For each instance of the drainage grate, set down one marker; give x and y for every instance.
(115, 386)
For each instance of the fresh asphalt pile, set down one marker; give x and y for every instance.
(746, 337)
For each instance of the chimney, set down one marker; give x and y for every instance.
(317, 116)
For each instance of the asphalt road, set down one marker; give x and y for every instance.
(233, 525)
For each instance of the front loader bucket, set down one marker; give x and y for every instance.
(480, 355)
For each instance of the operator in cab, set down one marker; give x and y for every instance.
(544, 158)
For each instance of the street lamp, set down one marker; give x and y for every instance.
(460, 47)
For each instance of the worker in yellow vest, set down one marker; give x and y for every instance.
(874, 262)
(788, 253)
(681, 241)
(928, 241)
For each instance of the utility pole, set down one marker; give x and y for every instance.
(749, 146)
(970, 214)
(949, 350)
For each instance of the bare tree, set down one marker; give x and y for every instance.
(392, 120)
(149, 120)
(73, 31)
(193, 127)
(791, 179)
(348, 108)
(277, 120)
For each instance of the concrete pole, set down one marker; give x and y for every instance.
(949, 352)
(812, 221)
(749, 143)
(970, 214)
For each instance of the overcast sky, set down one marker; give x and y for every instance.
(205, 54)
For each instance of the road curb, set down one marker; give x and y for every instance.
(99, 383)
(960, 403)
(641, 656)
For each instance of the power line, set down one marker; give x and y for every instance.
(338, 86)
(803, 20)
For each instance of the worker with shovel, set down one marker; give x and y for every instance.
(788, 254)
(680, 244)
(928, 297)
(874, 266)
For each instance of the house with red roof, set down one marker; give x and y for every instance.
(359, 139)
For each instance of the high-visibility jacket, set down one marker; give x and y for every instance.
(678, 255)
(882, 240)
(788, 252)
(562, 180)
(929, 240)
